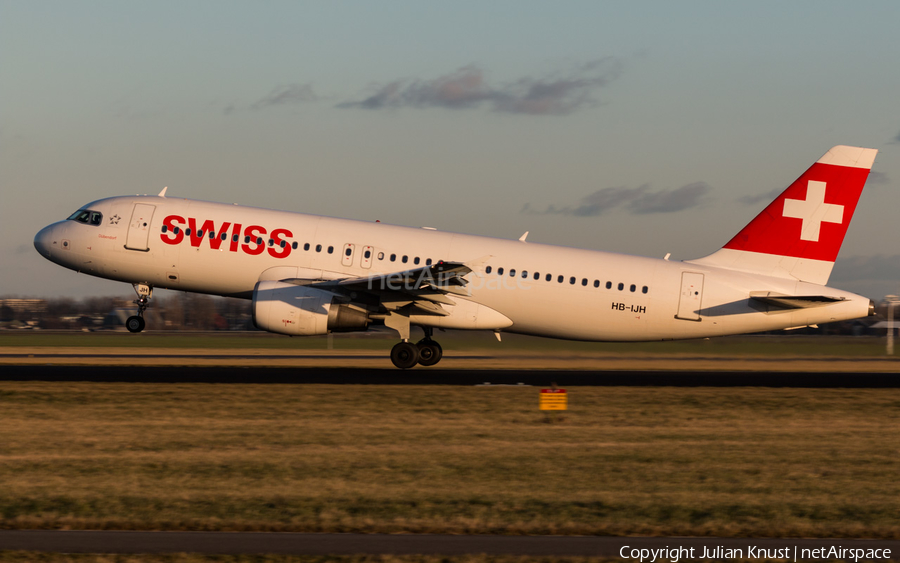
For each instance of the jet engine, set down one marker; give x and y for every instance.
(298, 310)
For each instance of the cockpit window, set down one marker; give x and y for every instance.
(87, 217)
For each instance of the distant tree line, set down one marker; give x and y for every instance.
(180, 311)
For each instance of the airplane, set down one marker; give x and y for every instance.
(312, 275)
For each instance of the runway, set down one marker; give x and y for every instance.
(370, 376)
(231, 543)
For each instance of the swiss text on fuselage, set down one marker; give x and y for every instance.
(253, 243)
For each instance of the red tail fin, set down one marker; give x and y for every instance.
(800, 233)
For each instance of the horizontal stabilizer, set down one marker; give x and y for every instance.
(781, 301)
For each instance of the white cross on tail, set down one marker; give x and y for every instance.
(813, 211)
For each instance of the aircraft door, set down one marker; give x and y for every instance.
(139, 227)
(366, 260)
(347, 256)
(691, 296)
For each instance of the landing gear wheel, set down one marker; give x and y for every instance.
(430, 352)
(144, 292)
(405, 355)
(134, 324)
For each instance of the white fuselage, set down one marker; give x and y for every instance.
(614, 297)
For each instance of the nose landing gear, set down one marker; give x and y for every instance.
(136, 323)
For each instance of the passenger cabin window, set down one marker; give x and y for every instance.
(487, 270)
(621, 286)
(87, 217)
(428, 262)
(416, 260)
(512, 272)
(632, 288)
(644, 289)
(608, 285)
(294, 245)
(560, 279)
(405, 259)
(330, 250)
(549, 277)
(572, 280)
(318, 248)
(500, 271)
(306, 246)
(584, 281)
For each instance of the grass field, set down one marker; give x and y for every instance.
(667, 461)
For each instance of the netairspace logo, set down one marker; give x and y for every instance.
(719, 553)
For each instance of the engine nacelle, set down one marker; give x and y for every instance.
(298, 310)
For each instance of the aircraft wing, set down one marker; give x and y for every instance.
(425, 288)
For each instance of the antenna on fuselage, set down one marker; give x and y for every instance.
(163, 192)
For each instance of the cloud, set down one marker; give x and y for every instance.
(867, 268)
(638, 201)
(282, 95)
(766, 197)
(467, 88)
(878, 178)
(287, 94)
(670, 201)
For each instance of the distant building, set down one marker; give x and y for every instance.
(26, 306)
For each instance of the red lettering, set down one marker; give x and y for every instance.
(197, 235)
(278, 251)
(254, 248)
(256, 245)
(174, 234)
(235, 237)
(217, 240)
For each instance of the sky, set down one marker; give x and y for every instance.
(637, 127)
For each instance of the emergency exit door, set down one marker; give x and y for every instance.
(139, 227)
(691, 296)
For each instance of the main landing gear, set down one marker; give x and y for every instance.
(425, 352)
(136, 323)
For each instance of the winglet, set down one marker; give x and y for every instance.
(163, 192)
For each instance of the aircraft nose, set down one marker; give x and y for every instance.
(43, 241)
